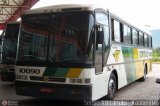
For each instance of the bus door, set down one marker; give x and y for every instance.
(102, 40)
(99, 50)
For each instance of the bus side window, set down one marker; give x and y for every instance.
(150, 42)
(145, 40)
(115, 31)
(127, 34)
(141, 40)
(135, 37)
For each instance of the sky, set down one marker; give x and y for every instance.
(143, 13)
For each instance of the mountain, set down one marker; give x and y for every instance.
(155, 38)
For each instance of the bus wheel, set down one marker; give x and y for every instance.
(144, 77)
(112, 87)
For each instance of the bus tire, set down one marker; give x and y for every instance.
(112, 87)
(144, 77)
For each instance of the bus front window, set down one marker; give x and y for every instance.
(55, 38)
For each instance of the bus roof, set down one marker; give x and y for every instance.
(72, 7)
(63, 7)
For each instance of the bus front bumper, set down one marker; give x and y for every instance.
(54, 91)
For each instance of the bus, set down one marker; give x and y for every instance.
(9, 40)
(79, 52)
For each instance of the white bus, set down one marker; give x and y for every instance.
(79, 52)
(9, 40)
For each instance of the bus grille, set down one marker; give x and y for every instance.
(56, 79)
(36, 78)
(49, 79)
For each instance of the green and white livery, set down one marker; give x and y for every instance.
(79, 52)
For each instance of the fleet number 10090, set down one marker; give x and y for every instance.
(29, 71)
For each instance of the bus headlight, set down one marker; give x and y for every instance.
(79, 80)
(72, 80)
(22, 77)
(18, 76)
(86, 81)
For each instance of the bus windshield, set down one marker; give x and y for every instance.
(10, 43)
(55, 39)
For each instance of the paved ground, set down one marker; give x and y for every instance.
(148, 90)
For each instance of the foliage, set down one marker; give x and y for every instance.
(156, 55)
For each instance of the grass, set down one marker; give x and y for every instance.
(156, 56)
(156, 62)
(155, 59)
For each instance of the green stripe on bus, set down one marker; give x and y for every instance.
(50, 71)
(127, 52)
(61, 72)
(130, 66)
(56, 72)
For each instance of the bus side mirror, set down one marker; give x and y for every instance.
(100, 34)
